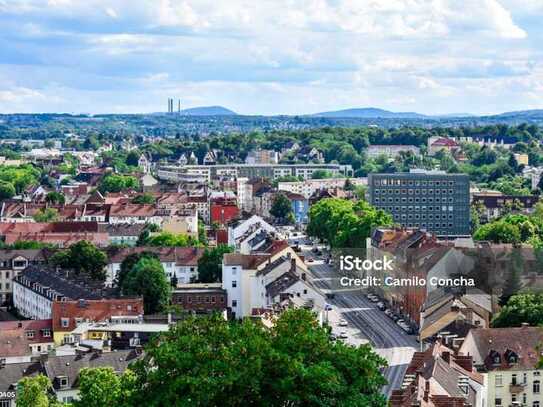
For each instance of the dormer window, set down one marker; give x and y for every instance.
(511, 357)
(62, 381)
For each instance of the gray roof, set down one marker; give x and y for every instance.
(70, 366)
(11, 373)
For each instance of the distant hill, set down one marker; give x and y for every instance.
(522, 114)
(208, 111)
(370, 113)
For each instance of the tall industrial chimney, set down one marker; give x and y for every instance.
(179, 106)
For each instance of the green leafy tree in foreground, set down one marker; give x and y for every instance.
(208, 361)
(128, 264)
(103, 387)
(118, 183)
(54, 197)
(147, 278)
(34, 392)
(83, 257)
(144, 199)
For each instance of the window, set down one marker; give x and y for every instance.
(46, 333)
(498, 380)
(64, 322)
(498, 402)
(30, 334)
(535, 404)
(536, 387)
(234, 283)
(63, 381)
(234, 303)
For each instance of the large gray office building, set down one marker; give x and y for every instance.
(430, 200)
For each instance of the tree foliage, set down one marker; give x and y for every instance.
(343, 223)
(118, 183)
(281, 207)
(101, 386)
(521, 308)
(83, 257)
(210, 264)
(46, 215)
(148, 279)
(34, 392)
(208, 361)
(167, 239)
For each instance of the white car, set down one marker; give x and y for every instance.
(343, 335)
(342, 322)
(328, 307)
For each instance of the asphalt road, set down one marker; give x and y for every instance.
(387, 338)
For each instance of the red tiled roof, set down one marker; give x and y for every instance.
(93, 310)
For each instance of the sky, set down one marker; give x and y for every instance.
(271, 56)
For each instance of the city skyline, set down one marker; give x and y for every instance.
(269, 58)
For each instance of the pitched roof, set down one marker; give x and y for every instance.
(70, 366)
(181, 256)
(524, 341)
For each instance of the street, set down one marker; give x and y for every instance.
(366, 323)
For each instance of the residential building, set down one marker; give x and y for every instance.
(20, 340)
(300, 207)
(439, 378)
(63, 371)
(121, 333)
(521, 159)
(431, 200)
(270, 171)
(310, 186)
(239, 230)
(509, 359)
(223, 209)
(180, 263)
(201, 298)
(261, 156)
(494, 206)
(122, 233)
(450, 311)
(12, 262)
(534, 174)
(390, 151)
(436, 143)
(68, 315)
(257, 283)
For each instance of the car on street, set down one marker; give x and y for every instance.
(374, 299)
(343, 335)
(327, 307)
(381, 306)
(333, 337)
(342, 322)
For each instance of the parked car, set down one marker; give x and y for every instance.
(381, 306)
(342, 322)
(374, 299)
(333, 337)
(343, 335)
(327, 307)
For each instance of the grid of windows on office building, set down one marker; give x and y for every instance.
(437, 203)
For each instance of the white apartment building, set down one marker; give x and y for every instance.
(390, 151)
(256, 283)
(36, 288)
(310, 186)
(179, 263)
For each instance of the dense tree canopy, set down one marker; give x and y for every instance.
(167, 239)
(521, 308)
(343, 223)
(208, 361)
(210, 264)
(83, 257)
(281, 208)
(148, 279)
(118, 183)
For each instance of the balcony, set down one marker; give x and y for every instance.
(515, 388)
